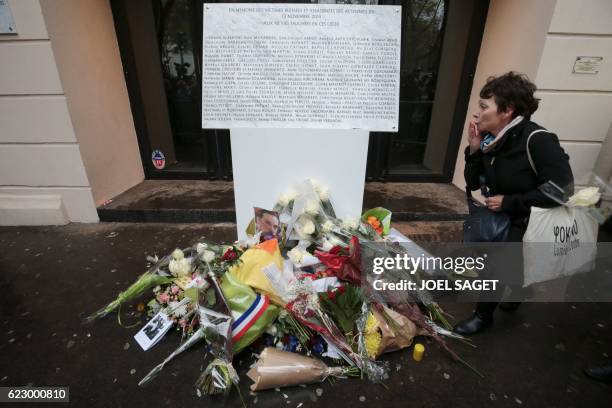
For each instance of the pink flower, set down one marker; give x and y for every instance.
(175, 289)
(164, 297)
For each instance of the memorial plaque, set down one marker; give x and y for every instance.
(587, 65)
(301, 66)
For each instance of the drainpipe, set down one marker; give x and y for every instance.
(603, 167)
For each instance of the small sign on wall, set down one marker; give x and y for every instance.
(587, 65)
(158, 159)
(7, 23)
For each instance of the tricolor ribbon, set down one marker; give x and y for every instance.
(246, 320)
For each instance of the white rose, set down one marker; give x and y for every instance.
(296, 255)
(327, 226)
(185, 267)
(585, 197)
(350, 223)
(312, 207)
(174, 267)
(307, 227)
(207, 256)
(324, 195)
(180, 267)
(315, 185)
(201, 247)
(177, 254)
(292, 194)
(283, 200)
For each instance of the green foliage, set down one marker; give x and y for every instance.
(344, 305)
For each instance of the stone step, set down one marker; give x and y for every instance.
(182, 234)
(213, 201)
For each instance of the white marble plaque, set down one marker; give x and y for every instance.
(301, 66)
(267, 162)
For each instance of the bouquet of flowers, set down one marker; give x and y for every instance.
(307, 293)
(276, 368)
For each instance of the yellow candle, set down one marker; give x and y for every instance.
(418, 352)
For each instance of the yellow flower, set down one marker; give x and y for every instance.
(372, 336)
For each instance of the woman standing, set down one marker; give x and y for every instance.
(497, 150)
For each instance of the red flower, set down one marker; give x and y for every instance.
(230, 255)
(341, 290)
(331, 295)
(345, 267)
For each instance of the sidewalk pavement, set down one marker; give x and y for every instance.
(51, 277)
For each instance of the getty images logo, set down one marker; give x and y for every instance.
(566, 238)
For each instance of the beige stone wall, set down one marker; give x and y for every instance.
(514, 39)
(543, 39)
(67, 139)
(578, 107)
(42, 177)
(85, 46)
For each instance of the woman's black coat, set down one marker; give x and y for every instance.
(508, 172)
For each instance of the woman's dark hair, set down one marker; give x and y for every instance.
(512, 90)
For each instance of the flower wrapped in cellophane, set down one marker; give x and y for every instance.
(386, 330)
(379, 218)
(276, 368)
(594, 197)
(215, 328)
(157, 274)
(302, 300)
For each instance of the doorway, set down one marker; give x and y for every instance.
(161, 48)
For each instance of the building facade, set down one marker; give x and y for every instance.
(90, 90)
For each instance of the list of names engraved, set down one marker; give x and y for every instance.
(310, 66)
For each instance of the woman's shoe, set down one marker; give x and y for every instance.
(475, 324)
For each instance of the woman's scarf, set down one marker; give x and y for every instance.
(489, 141)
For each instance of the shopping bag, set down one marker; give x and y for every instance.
(559, 242)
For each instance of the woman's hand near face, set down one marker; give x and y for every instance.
(473, 137)
(494, 203)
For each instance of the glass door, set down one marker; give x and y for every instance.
(440, 43)
(161, 49)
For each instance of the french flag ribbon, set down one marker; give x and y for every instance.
(246, 320)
